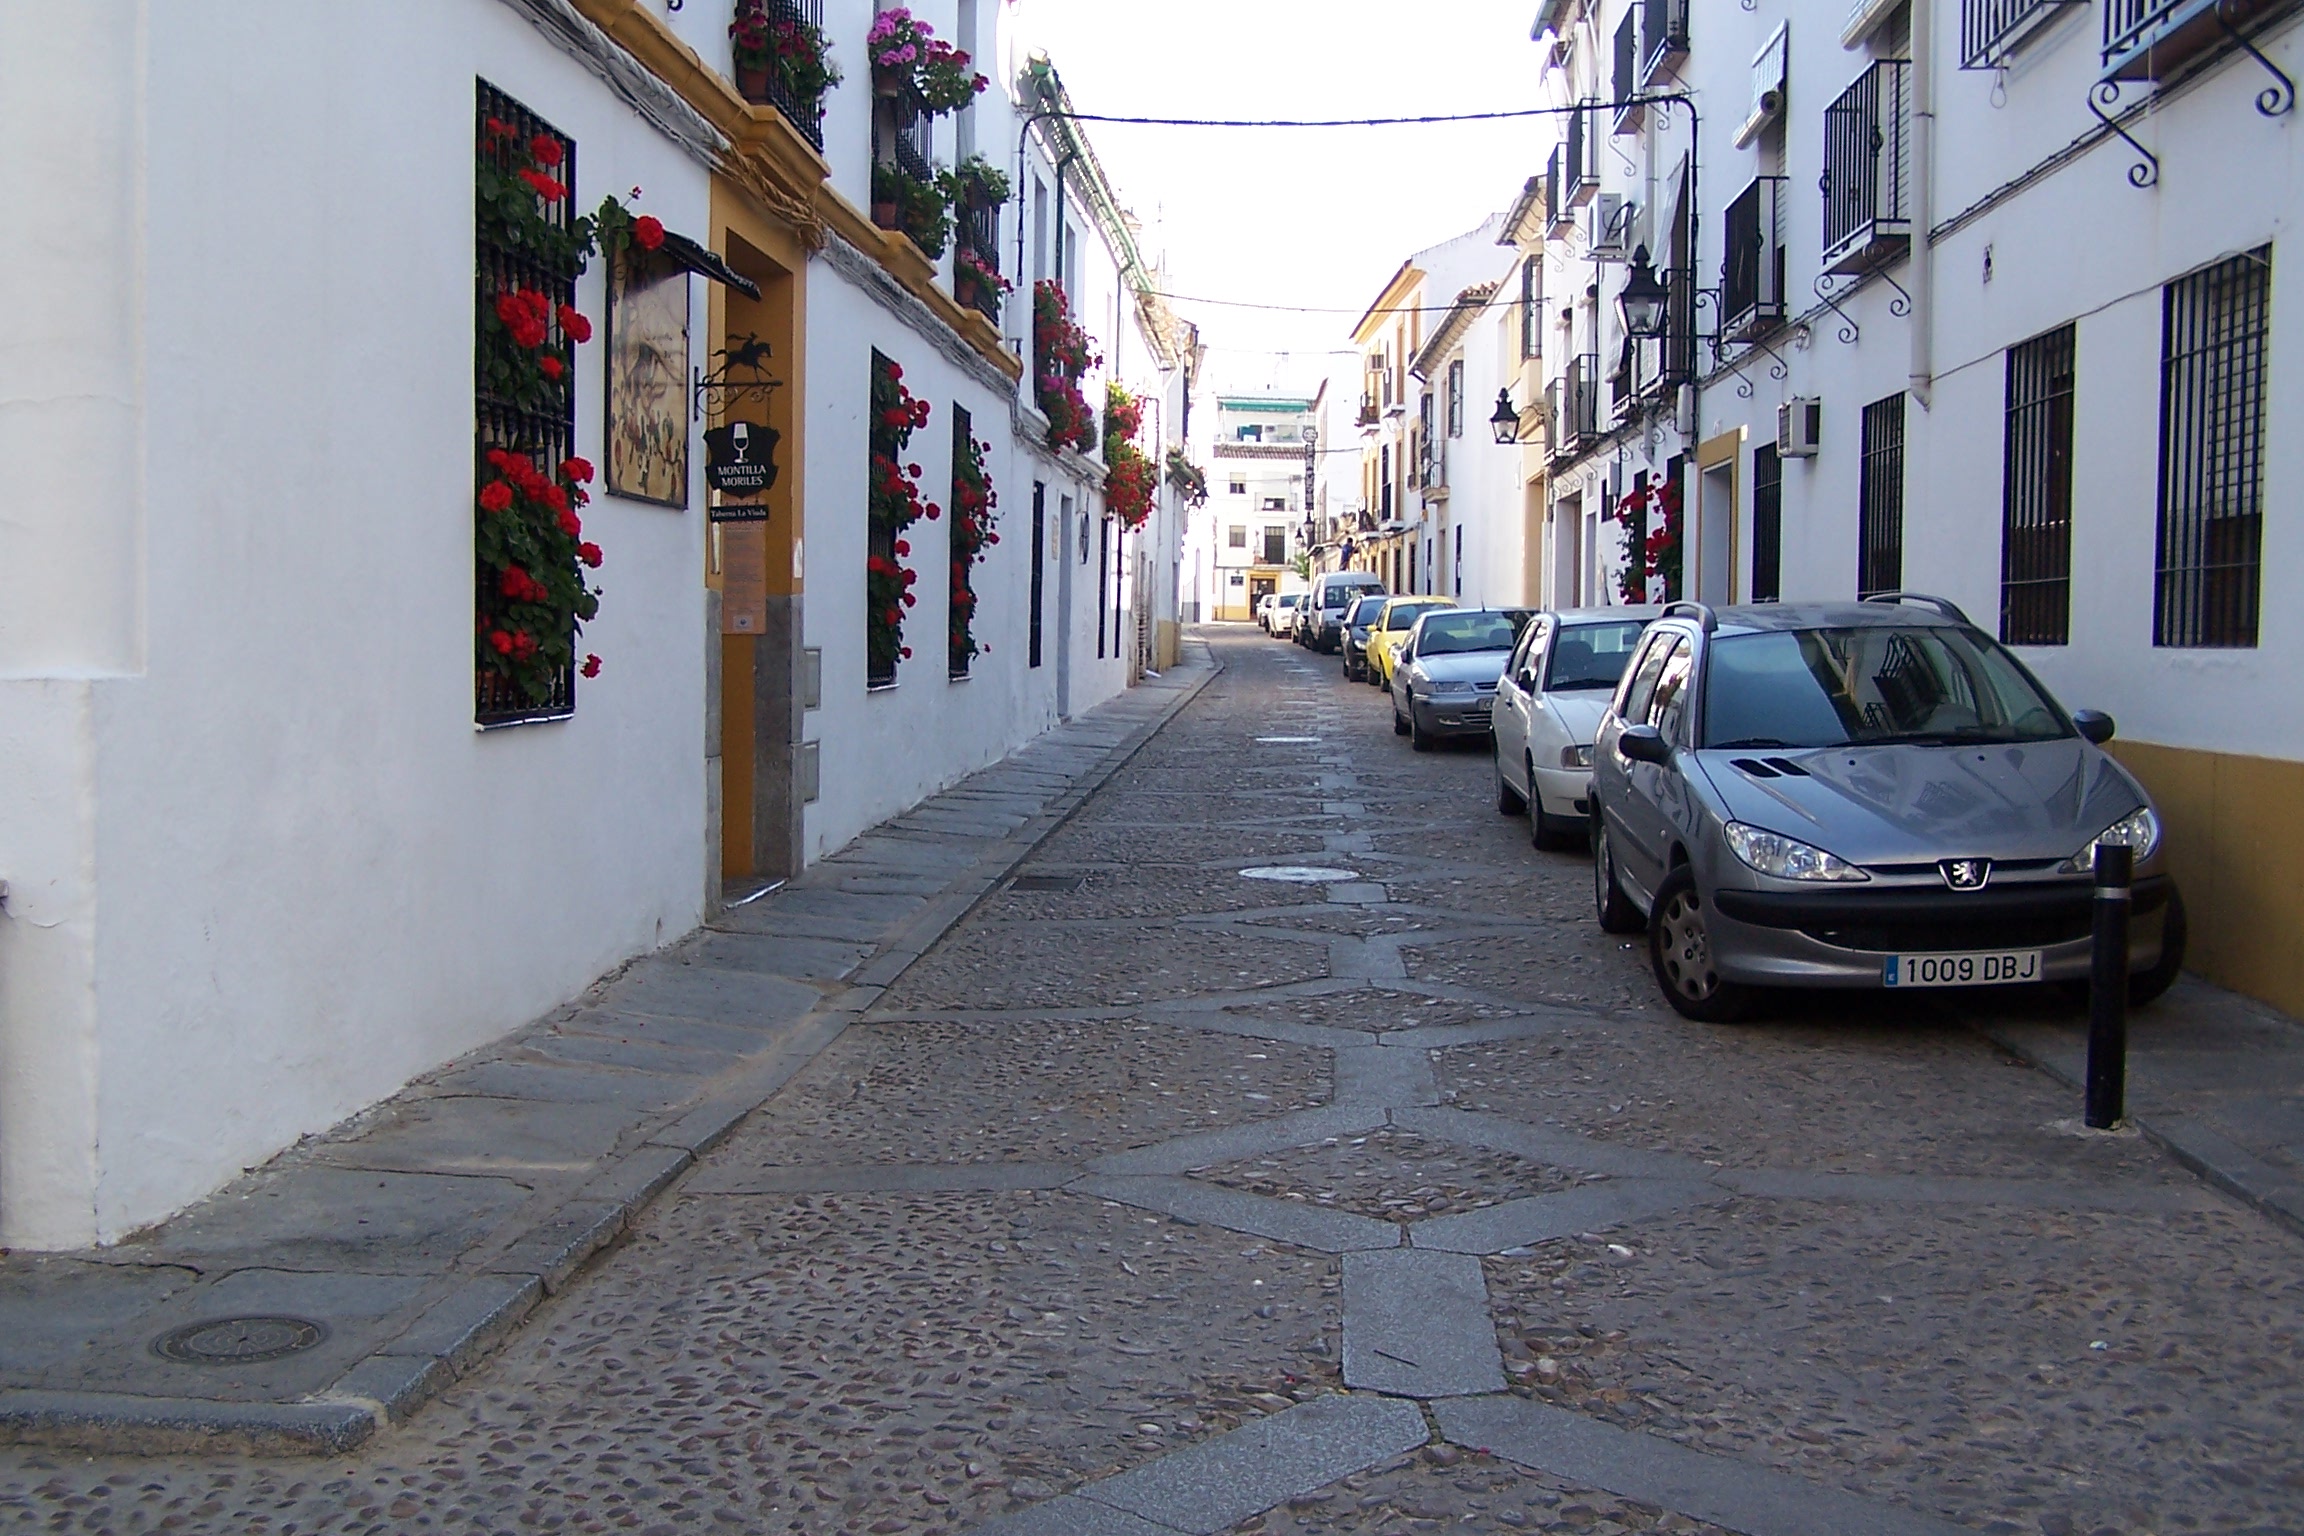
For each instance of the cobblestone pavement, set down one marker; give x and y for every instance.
(1170, 1201)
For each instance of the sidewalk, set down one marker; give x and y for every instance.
(2216, 1078)
(353, 1277)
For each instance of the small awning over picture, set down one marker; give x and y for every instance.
(706, 262)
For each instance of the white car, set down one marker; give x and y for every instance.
(1548, 707)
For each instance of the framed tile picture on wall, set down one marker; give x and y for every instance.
(647, 393)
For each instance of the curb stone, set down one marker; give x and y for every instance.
(481, 1308)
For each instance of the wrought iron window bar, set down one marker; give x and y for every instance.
(1631, 112)
(2036, 492)
(1880, 504)
(1559, 217)
(1867, 162)
(977, 233)
(547, 437)
(1990, 30)
(2215, 339)
(1580, 167)
(1664, 31)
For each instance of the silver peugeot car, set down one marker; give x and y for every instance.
(1868, 794)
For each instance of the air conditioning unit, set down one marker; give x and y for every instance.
(1799, 428)
(1606, 219)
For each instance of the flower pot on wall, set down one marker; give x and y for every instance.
(884, 215)
(887, 83)
(752, 83)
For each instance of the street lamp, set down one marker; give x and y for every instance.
(1642, 300)
(1505, 423)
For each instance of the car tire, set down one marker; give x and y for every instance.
(1680, 953)
(1399, 726)
(1418, 737)
(1547, 833)
(1611, 905)
(1509, 801)
(2145, 987)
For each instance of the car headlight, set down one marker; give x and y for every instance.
(2139, 829)
(1576, 757)
(1449, 689)
(1787, 858)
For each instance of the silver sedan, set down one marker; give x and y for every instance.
(1444, 683)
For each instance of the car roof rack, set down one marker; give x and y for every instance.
(1702, 614)
(1944, 606)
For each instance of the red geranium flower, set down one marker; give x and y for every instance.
(648, 232)
(573, 322)
(495, 496)
(589, 554)
(576, 469)
(571, 525)
(545, 149)
(551, 367)
(542, 185)
(591, 666)
(903, 547)
(501, 641)
(500, 129)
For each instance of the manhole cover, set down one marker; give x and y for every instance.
(1047, 882)
(239, 1340)
(1299, 874)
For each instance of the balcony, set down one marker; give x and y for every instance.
(976, 275)
(1572, 402)
(1991, 30)
(1369, 415)
(1664, 31)
(1580, 162)
(1560, 218)
(1752, 267)
(1867, 169)
(769, 87)
(1626, 78)
(2153, 39)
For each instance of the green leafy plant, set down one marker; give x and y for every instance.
(923, 209)
(976, 183)
(1190, 480)
(974, 531)
(893, 505)
(797, 52)
(1130, 480)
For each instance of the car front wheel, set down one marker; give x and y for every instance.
(1680, 952)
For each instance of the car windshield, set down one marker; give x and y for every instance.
(1365, 610)
(1870, 686)
(1452, 634)
(1592, 655)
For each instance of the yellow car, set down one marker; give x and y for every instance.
(1391, 627)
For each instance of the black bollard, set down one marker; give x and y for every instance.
(2108, 989)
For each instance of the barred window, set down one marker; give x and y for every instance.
(2036, 493)
(2214, 330)
(1531, 306)
(1880, 505)
(1767, 524)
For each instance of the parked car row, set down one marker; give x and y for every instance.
(1863, 795)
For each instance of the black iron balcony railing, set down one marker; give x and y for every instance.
(1558, 214)
(805, 113)
(976, 233)
(1991, 29)
(1867, 164)
(913, 141)
(1576, 404)
(1663, 35)
(2150, 39)
(1580, 165)
(1626, 76)
(1752, 266)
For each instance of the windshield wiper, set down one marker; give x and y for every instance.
(1747, 741)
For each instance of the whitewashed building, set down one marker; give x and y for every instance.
(1979, 299)
(302, 797)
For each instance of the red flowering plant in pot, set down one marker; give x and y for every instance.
(974, 532)
(1131, 481)
(894, 504)
(1655, 560)
(780, 51)
(1061, 353)
(977, 283)
(532, 595)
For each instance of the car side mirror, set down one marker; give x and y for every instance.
(2094, 724)
(1644, 744)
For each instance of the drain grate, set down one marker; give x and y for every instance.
(1047, 883)
(239, 1340)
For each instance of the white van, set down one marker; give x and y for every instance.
(1332, 596)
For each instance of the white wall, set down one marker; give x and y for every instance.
(290, 874)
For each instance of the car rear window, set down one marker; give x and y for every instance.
(1592, 655)
(1365, 611)
(1933, 686)
(1451, 634)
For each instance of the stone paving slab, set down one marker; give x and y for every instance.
(1287, 1221)
(1073, 1516)
(1416, 1325)
(1221, 1482)
(1540, 1218)
(1734, 1494)
(421, 1234)
(1208, 1148)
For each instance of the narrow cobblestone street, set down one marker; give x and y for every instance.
(1160, 1199)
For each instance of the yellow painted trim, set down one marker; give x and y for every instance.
(783, 172)
(2234, 842)
(1720, 449)
(1398, 288)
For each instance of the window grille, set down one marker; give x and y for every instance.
(2036, 493)
(1767, 525)
(805, 113)
(1039, 565)
(548, 437)
(963, 565)
(1626, 76)
(1531, 307)
(2214, 332)
(1880, 507)
(1456, 398)
(1104, 575)
(1275, 549)
(879, 538)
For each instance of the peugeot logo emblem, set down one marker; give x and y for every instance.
(1966, 874)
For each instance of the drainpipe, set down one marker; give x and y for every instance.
(1923, 380)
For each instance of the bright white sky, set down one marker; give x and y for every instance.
(1305, 216)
